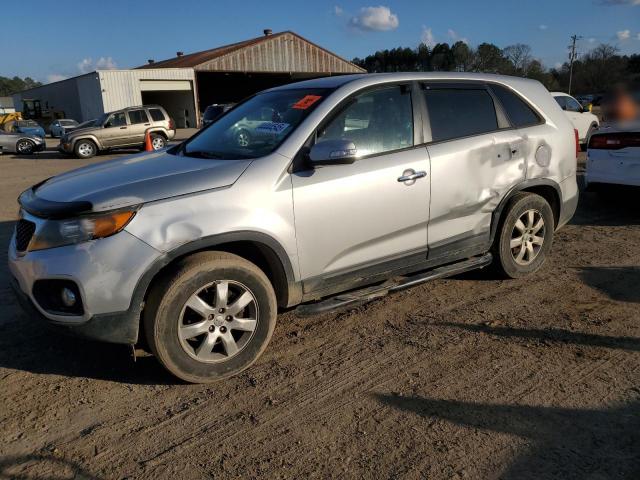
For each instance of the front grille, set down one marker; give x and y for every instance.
(24, 232)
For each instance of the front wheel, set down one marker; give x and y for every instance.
(210, 317)
(85, 149)
(524, 236)
(25, 147)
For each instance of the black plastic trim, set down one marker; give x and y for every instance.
(42, 208)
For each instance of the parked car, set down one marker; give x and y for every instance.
(26, 127)
(613, 155)
(214, 111)
(585, 100)
(20, 143)
(361, 183)
(583, 120)
(124, 128)
(61, 126)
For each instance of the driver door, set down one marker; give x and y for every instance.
(115, 132)
(359, 219)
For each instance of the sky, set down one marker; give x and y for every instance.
(51, 40)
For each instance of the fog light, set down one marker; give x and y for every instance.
(68, 297)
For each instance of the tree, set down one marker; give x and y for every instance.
(489, 59)
(520, 57)
(442, 58)
(462, 56)
(9, 86)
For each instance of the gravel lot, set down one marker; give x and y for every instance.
(469, 377)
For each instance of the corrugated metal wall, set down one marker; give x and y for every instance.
(121, 88)
(283, 53)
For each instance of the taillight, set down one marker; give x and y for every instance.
(172, 126)
(577, 137)
(614, 141)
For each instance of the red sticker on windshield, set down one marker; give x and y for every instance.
(306, 102)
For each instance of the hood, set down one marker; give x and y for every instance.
(72, 130)
(134, 180)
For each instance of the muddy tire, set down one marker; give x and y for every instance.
(85, 149)
(210, 316)
(524, 236)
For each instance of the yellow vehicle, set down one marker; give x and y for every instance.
(7, 119)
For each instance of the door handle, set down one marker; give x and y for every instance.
(409, 175)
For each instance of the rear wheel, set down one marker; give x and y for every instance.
(524, 236)
(25, 146)
(85, 149)
(210, 317)
(158, 142)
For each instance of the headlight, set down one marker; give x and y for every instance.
(56, 233)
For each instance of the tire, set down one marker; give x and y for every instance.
(527, 255)
(243, 138)
(199, 347)
(24, 146)
(85, 149)
(158, 142)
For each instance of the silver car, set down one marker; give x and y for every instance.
(20, 143)
(364, 184)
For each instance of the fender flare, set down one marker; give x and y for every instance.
(93, 138)
(535, 182)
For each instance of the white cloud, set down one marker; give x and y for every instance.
(558, 65)
(87, 65)
(455, 37)
(337, 10)
(55, 77)
(543, 27)
(427, 37)
(375, 19)
(623, 35)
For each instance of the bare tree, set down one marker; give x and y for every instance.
(520, 57)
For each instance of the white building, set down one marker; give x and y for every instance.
(6, 105)
(186, 84)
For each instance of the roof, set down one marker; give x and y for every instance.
(6, 102)
(284, 51)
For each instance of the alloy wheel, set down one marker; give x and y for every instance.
(218, 321)
(85, 149)
(157, 143)
(24, 146)
(527, 237)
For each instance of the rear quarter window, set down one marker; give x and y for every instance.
(156, 114)
(457, 113)
(520, 114)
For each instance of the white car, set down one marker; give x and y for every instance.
(583, 120)
(613, 155)
(64, 125)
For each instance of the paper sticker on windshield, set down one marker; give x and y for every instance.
(306, 102)
(272, 127)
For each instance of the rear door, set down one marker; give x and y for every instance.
(357, 219)
(475, 159)
(138, 125)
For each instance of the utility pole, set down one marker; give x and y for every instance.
(572, 56)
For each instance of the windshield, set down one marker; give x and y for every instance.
(256, 127)
(101, 119)
(68, 123)
(27, 123)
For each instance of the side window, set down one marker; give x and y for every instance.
(455, 113)
(573, 105)
(138, 116)
(562, 101)
(520, 114)
(116, 120)
(156, 114)
(377, 121)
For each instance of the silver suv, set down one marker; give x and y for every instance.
(362, 184)
(124, 128)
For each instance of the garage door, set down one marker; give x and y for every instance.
(164, 85)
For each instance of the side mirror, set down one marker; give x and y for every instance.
(333, 152)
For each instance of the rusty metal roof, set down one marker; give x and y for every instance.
(280, 52)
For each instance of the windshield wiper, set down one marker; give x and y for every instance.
(201, 154)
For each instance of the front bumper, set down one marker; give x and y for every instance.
(107, 273)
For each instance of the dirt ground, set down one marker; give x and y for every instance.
(465, 378)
